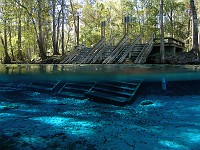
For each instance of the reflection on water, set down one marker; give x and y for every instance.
(99, 72)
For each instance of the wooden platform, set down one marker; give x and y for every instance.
(172, 45)
(109, 92)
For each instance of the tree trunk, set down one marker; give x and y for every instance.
(7, 59)
(39, 35)
(162, 47)
(74, 19)
(195, 45)
(63, 24)
(171, 24)
(19, 42)
(55, 48)
(58, 33)
(10, 41)
(40, 38)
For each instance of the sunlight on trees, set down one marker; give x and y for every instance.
(34, 29)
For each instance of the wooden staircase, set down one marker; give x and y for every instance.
(102, 53)
(109, 92)
(98, 47)
(136, 51)
(82, 54)
(74, 89)
(120, 46)
(142, 56)
(114, 92)
(73, 54)
(128, 51)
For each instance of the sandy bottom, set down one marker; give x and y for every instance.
(31, 120)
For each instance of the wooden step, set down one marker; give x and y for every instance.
(116, 93)
(44, 87)
(111, 92)
(106, 98)
(75, 89)
(116, 88)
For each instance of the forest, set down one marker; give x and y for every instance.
(37, 29)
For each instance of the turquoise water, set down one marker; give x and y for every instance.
(164, 115)
(100, 72)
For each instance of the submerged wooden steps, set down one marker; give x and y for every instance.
(109, 92)
(116, 93)
(75, 89)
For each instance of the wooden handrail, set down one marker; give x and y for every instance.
(170, 40)
(72, 54)
(97, 46)
(116, 50)
(141, 58)
(96, 57)
(130, 48)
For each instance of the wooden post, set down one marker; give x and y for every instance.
(174, 51)
(103, 30)
(125, 29)
(126, 21)
(77, 30)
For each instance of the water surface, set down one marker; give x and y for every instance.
(99, 72)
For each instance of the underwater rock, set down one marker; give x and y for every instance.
(17, 134)
(146, 102)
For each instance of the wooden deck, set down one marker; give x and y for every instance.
(170, 42)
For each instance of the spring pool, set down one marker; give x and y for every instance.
(45, 107)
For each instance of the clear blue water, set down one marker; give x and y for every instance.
(99, 72)
(41, 120)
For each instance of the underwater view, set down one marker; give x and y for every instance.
(100, 107)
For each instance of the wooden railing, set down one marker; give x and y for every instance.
(116, 50)
(73, 54)
(94, 50)
(100, 52)
(121, 59)
(170, 40)
(141, 58)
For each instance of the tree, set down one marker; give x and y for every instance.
(37, 28)
(55, 36)
(19, 42)
(162, 47)
(4, 41)
(195, 45)
(63, 26)
(40, 36)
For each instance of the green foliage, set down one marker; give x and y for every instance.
(143, 13)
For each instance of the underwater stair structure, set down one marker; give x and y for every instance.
(114, 92)
(109, 92)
